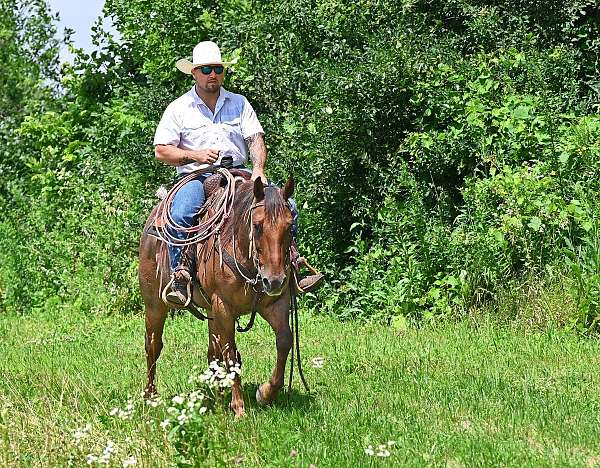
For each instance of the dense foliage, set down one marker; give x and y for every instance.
(445, 152)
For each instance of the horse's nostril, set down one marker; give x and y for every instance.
(265, 282)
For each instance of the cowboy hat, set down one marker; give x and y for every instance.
(205, 53)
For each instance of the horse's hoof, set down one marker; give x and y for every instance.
(259, 398)
(238, 410)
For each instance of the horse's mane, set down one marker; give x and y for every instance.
(274, 203)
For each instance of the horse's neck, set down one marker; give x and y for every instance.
(241, 248)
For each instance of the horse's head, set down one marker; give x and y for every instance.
(271, 234)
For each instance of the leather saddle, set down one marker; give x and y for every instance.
(211, 185)
(216, 181)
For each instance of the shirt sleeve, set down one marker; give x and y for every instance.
(249, 122)
(168, 131)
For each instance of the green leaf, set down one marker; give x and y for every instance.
(535, 223)
(563, 157)
(521, 112)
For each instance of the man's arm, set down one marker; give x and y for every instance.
(173, 156)
(258, 155)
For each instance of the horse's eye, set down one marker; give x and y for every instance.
(258, 229)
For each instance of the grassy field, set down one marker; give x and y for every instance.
(451, 395)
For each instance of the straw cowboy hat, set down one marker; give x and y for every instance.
(205, 53)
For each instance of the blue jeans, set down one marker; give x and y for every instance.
(184, 211)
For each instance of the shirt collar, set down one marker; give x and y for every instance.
(223, 96)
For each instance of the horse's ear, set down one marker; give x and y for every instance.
(288, 188)
(259, 190)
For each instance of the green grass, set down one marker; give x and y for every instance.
(451, 394)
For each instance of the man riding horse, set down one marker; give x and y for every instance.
(198, 129)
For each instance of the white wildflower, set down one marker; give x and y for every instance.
(81, 433)
(226, 382)
(110, 448)
(126, 413)
(182, 418)
(382, 450)
(153, 402)
(178, 400)
(196, 396)
(91, 458)
(166, 423)
(129, 461)
(317, 362)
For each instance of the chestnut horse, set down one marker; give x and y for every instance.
(258, 236)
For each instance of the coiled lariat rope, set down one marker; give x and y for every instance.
(221, 204)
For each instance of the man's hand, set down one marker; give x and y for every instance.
(259, 174)
(173, 156)
(206, 156)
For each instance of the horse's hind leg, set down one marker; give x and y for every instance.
(278, 317)
(152, 254)
(156, 314)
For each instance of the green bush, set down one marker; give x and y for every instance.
(444, 151)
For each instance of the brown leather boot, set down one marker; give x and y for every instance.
(180, 288)
(178, 292)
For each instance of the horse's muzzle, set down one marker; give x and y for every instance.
(273, 285)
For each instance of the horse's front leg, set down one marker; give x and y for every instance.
(222, 347)
(277, 315)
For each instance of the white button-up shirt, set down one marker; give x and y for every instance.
(189, 124)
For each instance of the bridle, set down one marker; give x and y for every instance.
(242, 273)
(256, 282)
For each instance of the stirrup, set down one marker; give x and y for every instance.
(309, 283)
(175, 297)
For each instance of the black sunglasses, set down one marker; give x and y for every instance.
(207, 69)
